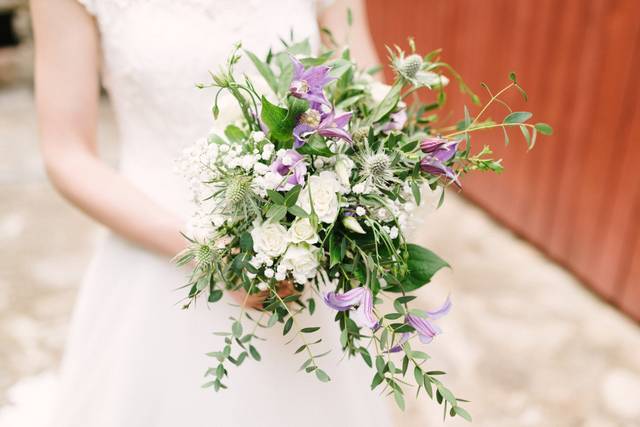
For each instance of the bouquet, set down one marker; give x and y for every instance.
(314, 186)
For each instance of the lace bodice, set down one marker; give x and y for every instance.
(154, 51)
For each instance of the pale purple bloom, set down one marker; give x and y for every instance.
(439, 151)
(309, 83)
(397, 121)
(328, 125)
(424, 327)
(362, 297)
(291, 164)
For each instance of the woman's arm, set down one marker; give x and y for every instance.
(67, 95)
(334, 18)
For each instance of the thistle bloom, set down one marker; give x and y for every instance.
(362, 297)
(290, 164)
(424, 326)
(328, 125)
(439, 151)
(309, 83)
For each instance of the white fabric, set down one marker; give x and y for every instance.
(134, 358)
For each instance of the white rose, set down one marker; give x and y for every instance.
(322, 191)
(270, 239)
(379, 91)
(301, 261)
(343, 168)
(302, 231)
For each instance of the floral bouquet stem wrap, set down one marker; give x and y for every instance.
(315, 184)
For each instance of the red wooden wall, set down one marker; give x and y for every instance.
(577, 194)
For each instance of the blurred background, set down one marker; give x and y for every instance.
(546, 278)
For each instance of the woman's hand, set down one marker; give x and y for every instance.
(255, 301)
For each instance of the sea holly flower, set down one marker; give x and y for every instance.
(439, 151)
(290, 164)
(309, 83)
(361, 297)
(328, 125)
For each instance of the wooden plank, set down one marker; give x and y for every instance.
(599, 154)
(577, 195)
(570, 152)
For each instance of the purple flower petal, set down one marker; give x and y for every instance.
(344, 301)
(295, 167)
(425, 329)
(398, 347)
(442, 311)
(335, 133)
(396, 122)
(362, 297)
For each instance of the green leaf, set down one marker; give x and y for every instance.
(380, 365)
(254, 353)
(281, 121)
(544, 128)
(449, 397)
(399, 398)
(246, 242)
(388, 103)
(234, 133)
(415, 189)
(273, 319)
(276, 213)
(517, 117)
(422, 266)
(275, 197)
(236, 329)
(215, 295)
(322, 376)
(287, 326)
(377, 380)
(264, 70)
(526, 134)
(365, 356)
(312, 305)
(309, 330)
(467, 118)
(315, 146)
(461, 412)
(291, 197)
(419, 355)
(418, 375)
(298, 211)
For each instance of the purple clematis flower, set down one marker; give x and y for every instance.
(438, 152)
(362, 297)
(291, 164)
(398, 119)
(327, 124)
(309, 83)
(424, 326)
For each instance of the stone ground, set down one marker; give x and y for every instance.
(525, 341)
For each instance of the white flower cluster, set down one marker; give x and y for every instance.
(293, 246)
(204, 162)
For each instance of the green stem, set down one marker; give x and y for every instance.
(499, 125)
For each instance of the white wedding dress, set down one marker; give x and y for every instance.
(134, 358)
